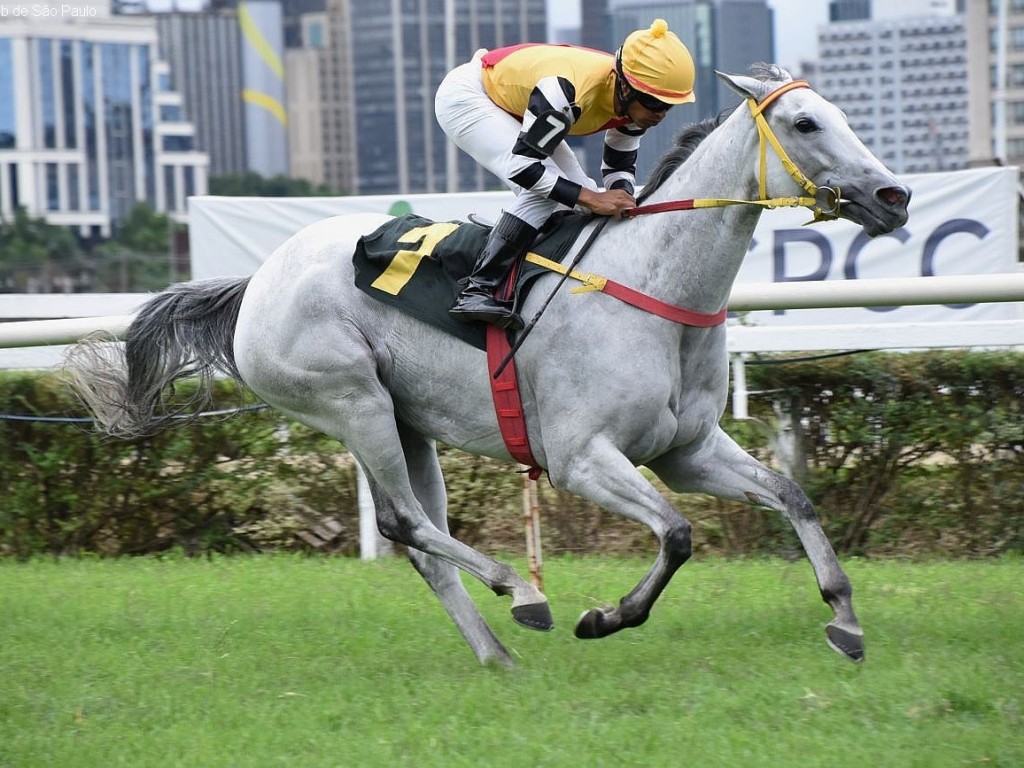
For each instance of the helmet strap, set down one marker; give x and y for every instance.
(625, 94)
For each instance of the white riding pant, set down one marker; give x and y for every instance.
(487, 133)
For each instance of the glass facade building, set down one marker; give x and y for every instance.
(229, 75)
(396, 60)
(8, 107)
(82, 134)
(727, 35)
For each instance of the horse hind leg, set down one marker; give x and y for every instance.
(408, 524)
(366, 425)
(442, 577)
(725, 470)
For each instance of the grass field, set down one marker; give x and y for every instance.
(290, 661)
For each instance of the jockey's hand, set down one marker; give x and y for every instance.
(611, 202)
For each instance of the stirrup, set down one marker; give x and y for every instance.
(464, 310)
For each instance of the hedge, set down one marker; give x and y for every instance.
(904, 454)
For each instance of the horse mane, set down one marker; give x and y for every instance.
(690, 137)
(686, 142)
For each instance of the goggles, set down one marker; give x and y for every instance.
(648, 102)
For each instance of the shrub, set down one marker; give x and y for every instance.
(903, 454)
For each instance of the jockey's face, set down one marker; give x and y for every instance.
(643, 110)
(643, 116)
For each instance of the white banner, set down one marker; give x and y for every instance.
(961, 222)
(234, 235)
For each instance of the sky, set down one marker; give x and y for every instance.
(796, 26)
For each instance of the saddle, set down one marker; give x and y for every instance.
(419, 266)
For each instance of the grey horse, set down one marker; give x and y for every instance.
(606, 387)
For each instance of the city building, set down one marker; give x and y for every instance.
(228, 64)
(338, 106)
(379, 74)
(902, 82)
(996, 73)
(89, 122)
(727, 35)
(202, 51)
(307, 151)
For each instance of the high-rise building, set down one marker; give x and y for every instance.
(266, 120)
(996, 74)
(727, 35)
(89, 122)
(202, 51)
(228, 63)
(392, 62)
(338, 106)
(903, 85)
(307, 152)
(849, 10)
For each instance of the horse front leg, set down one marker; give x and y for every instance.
(721, 468)
(605, 476)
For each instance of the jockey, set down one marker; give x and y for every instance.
(511, 110)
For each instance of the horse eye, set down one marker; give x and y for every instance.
(806, 125)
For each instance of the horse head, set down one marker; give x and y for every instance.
(824, 150)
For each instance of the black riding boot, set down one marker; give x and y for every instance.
(508, 242)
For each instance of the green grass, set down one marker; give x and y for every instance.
(289, 661)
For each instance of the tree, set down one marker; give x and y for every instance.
(144, 230)
(138, 257)
(254, 185)
(34, 254)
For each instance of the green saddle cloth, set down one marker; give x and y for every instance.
(415, 264)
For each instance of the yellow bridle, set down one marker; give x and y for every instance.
(823, 201)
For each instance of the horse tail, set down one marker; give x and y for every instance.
(185, 331)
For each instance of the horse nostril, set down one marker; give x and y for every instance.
(893, 196)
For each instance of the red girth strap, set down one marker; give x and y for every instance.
(508, 405)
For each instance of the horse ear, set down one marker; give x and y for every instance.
(747, 87)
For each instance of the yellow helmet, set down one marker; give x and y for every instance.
(654, 61)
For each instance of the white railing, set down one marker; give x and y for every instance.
(46, 322)
(35, 326)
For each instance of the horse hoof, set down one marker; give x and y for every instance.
(534, 616)
(845, 643)
(593, 624)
